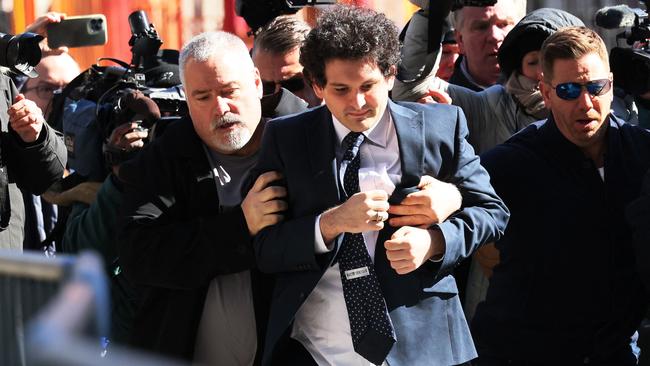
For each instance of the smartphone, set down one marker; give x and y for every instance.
(78, 31)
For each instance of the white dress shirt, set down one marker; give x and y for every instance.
(321, 324)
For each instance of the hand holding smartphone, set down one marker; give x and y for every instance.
(78, 31)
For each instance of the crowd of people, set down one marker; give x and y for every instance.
(338, 196)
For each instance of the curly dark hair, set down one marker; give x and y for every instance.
(349, 33)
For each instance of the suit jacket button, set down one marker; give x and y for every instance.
(302, 295)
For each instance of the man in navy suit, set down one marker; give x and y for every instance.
(352, 289)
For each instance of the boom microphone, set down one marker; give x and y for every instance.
(619, 16)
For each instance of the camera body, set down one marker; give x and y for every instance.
(103, 97)
(630, 66)
(20, 53)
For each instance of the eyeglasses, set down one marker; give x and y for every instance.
(294, 84)
(571, 91)
(44, 91)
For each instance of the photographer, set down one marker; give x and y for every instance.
(32, 155)
(92, 224)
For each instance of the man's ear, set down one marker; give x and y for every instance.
(258, 83)
(459, 40)
(546, 90)
(317, 90)
(390, 79)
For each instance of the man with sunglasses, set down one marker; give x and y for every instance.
(276, 54)
(566, 290)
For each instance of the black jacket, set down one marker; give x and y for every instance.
(567, 286)
(32, 167)
(174, 240)
(638, 217)
(459, 77)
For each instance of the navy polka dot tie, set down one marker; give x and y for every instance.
(372, 331)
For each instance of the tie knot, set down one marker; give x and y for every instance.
(351, 143)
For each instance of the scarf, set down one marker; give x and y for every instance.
(526, 92)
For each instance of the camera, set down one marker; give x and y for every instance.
(630, 66)
(144, 41)
(146, 89)
(20, 53)
(96, 25)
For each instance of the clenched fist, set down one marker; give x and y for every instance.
(409, 247)
(356, 215)
(26, 118)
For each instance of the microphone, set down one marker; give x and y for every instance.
(135, 101)
(619, 16)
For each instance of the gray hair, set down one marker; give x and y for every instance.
(210, 44)
(518, 6)
(283, 34)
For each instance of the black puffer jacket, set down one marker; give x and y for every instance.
(529, 34)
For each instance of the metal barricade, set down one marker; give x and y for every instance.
(27, 282)
(68, 330)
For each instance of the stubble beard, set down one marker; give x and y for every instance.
(234, 139)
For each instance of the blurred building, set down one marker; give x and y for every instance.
(175, 20)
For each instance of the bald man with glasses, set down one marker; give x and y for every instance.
(566, 290)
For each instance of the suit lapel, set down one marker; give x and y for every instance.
(320, 137)
(321, 144)
(409, 126)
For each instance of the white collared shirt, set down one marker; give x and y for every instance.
(321, 324)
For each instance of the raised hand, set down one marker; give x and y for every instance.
(26, 118)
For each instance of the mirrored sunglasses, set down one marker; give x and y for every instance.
(571, 91)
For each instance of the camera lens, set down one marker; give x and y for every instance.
(96, 24)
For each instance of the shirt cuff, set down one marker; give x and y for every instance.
(319, 244)
(440, 257)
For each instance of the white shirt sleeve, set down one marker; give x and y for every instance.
(319, 244)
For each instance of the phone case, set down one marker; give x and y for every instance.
(78, 31)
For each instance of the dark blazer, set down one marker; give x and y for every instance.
(458, 77)
(423, 305)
